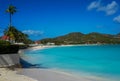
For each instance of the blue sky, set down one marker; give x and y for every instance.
(51, 18)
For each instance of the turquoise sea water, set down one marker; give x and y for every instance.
(99, 60)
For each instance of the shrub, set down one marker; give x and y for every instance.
(2, 42)
(23, 46)
(9, 49)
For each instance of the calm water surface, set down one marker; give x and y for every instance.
(103, 60)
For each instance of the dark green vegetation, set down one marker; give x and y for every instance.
(17, 35)
(4, 43)
(79, 38)
(9, 49)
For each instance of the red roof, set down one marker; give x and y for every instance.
(38, 42)
(5, 37)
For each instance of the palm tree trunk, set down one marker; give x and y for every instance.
(10, 19)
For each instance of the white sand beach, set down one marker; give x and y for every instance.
(53, 75)
(41, 47)
(41, 75)
(9, 75)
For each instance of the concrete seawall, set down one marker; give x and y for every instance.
(9, 59)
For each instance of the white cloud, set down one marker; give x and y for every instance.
(117, 19)
(109, 9)
(33, 32)
(93, 5)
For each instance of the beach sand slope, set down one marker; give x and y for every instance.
(51, 75)
(9, 75)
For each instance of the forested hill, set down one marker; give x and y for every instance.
(80, 38)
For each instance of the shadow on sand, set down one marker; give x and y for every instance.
(26, 64)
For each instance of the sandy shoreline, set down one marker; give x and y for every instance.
(54, 75)
(9, 75)
(41, 75)
(51, 46)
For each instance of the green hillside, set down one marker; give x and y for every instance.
(80, 38)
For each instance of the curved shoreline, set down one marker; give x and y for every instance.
(55, 75)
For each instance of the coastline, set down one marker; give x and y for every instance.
(55, 75)
(40, 47)
(38, 74)
(43, 74)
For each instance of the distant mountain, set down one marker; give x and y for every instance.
(80, 38)
(118, 35)
(74, 37)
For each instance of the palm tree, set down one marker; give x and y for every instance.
(11, 10)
